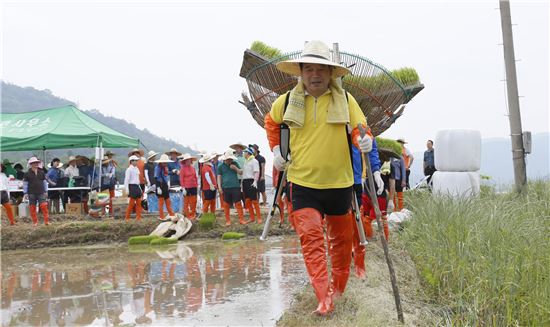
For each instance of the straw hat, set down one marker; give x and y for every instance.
(173, 150)
(106, 160)
(109, 153)
(133, 158)
(207, 158)
(401, 140)
(238, 146)
(58, 166)
(33, 160)
(315, 52)
(84, 159)
(187, 156)
(71, 159)
(134, 150)
(229, 154)
(151, 154)
(163, 159)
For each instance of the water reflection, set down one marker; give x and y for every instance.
(209, 283)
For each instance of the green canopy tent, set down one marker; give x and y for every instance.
(58, 128)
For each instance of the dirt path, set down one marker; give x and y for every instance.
(369, 302)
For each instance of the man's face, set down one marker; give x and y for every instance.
(174, 156)
(316, 78)
(429, 145)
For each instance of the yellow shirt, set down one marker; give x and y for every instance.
(319, 151)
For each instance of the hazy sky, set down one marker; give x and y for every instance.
(173, 66)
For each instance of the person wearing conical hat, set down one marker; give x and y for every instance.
(174, 166)
(131, 185)
(71, 171)
(35, 188)
(53, 176)
(230, 189)
(189, 182)
(5, 195)
(209, 184)
(149, 170)
(162, 179)
(318, 113)
(108, 180)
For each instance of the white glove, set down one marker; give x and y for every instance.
(26, 198)
(391, 207)
(212, 188)
(365, 143)
(379, 182)
(184, 191)
(278, 161)
(159, 191)
(255, 184)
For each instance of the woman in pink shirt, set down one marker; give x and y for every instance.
(189, 182)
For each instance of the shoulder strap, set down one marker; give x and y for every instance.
(284, 135)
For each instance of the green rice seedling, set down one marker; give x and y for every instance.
(486, 259)
(163, 241)
(406, 76)
(232, 235)
(389, 145)
(144, 239)
(265, 50)
(207, 221)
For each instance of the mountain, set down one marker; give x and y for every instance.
(16, 99)
(496, 160)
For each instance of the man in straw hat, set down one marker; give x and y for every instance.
(150, 170)
(190, 184)
(208, 182)
(35, 188)
(162, 179)
(321, 175)
(53, 176)
(230, 186)
(408, 157)
(174, 166)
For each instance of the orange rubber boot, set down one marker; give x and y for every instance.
(9, 213)
(226, 212)
(386, 227)
(212, 206)
(248, 206)
(281, 204)
(44, 209)
(169, 206)
(138, 209)
(32, 209)
(186, 204)
(240, 212)
(359, 251)
(111, 196)
(161, 208)
(400, 201)
(256, 205)
(194, 206)
(129, 209)
(309, 227)
(340, 239)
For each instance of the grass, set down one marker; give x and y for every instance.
(232, 236)
(265, 50)
(163, 241)
(207, 221)
(486, 259)
(144, 239)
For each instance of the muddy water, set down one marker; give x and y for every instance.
(208, 283)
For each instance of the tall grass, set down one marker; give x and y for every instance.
(487, 260)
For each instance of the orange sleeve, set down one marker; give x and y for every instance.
(272, 130)
(355, 133)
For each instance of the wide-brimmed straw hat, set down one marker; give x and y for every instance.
(151, 154)
(207, 157)
(58, 166)
(401, 140)
(238, 146)
(163, 159)
(134, 150)
(109, 153)
(187, 156)
(33, 160)
(133, 158)
(229, 154)
(315, 52)
(173, 150)
(71, 159)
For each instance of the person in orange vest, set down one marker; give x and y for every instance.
(5, 195)
(35, 188)
(132, 187)
(408, 158)
(190, 184)
(162, 180)
(319, 112)
(209, 185)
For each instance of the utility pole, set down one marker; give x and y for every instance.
(518, 153)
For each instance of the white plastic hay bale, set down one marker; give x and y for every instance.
(457, 150)
(456, 184)
(397, 218)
